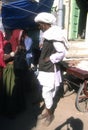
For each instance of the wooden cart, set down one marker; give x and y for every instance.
(79, 79)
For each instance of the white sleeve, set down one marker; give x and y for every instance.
(60, 52)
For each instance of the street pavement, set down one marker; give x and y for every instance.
(67, 117)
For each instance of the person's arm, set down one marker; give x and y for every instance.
(60, 52)
(8, 56)
(8, 53)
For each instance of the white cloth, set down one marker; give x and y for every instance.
(56, 33)
(45, 18)
(83, 65)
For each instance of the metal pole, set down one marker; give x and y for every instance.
(60, 14)
(86, 35)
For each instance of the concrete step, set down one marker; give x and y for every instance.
(77, 49)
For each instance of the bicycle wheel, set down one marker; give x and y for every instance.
(81, 99)
(68, 90)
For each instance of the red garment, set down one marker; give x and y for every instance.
(2, 64)
(15, 38)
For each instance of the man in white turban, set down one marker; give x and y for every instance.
(53, 51)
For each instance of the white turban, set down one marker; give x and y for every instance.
(45, 18)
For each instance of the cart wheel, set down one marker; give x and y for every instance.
(68, 90)
(82, 99)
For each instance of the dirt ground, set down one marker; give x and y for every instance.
(67, 117)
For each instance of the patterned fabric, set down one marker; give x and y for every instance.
(2, 64)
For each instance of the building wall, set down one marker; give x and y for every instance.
(69, 11)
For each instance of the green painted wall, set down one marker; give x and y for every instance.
(74, 20)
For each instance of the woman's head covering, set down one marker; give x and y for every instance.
(45, 18)
(5, 42)
(15, 38)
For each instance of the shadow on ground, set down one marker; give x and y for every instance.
(71, 124)
(25, 118)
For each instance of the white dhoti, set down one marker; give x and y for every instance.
(50, 82)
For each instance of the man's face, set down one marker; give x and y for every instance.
(43, 26)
